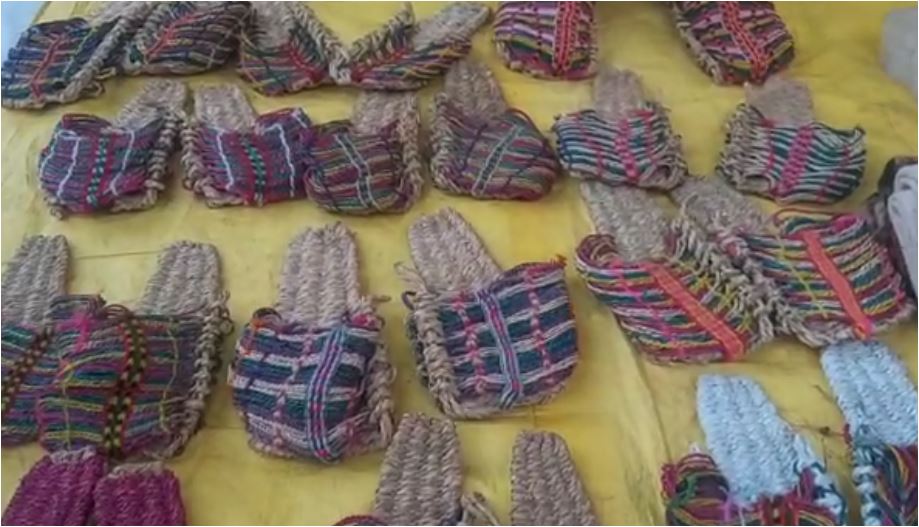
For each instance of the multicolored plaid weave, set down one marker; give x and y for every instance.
(402, 67)
(735, 42)
(263, 165)
(303, 391)
(638, 149)
(509, 344)
(28, 369)
(548, 39)
(499, 157)
(792, 163)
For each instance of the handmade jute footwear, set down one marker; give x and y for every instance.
(312, 377)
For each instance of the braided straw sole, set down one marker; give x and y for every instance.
(274, 22)
(458, 20)
(35, 275)
(782, 100)
(545, 486)
(630, 215)
(717, 207)
(617, 92)
(471, 85)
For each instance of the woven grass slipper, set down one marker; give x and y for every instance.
(183, 38)
(760, 471)
(312, 377)
(285, 48)
(132, 383)
(548, 39)
(138, 494)
(92, 164)
(675, 294)
(232, 156)
(624, 139)
(66, 60)
(545, 486)
(777, 149)
(878, 401)
(33, 278)
(735, 42)
(485, 340)
(371, 163)
(481, 147)
(405, 55)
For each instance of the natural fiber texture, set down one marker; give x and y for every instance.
(138, 494)
(58, 490)
(545, 486)
(183, 38)
(735, 42)
(716, 207)
(760, 471)
(481, 147)
(370, 164)
(878, 401)
(33, 278)
(548, 39)
(779, 151)
(403, 55)
(285, 48)
(485, 341)
(133, 384)
(62, 61)
(232, 156)
(312, 377)
(675, 294)
(625, 139)
(92, 164)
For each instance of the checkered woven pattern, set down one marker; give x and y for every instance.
(123, 378)
(28, 369)
(792, 163)
(263, 165)
(303, 390)
(509, 344)
(735, 42)
(548, 39)
(638, 149)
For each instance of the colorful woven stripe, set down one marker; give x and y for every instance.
(885, 477)
(406, 68)
(697, 493)
(138, 495)
(509, 344)
(498, 157)
(735, 42)
(303, 391)
(790, 163)
(123, 379)
(185, 38)
(638, 149)
(693, 307)
(263, 165)
(28, 369)
(548, 39)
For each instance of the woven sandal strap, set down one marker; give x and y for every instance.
(421, 480)
(456, 20)
(158, 98)
(716, 206)
(630, 215)
(470, 85)
(545, 486)
(186, 281)
(224, 106)
(783, 100)
(320, 281)
(36, 274)
(448, 254)
(617, 92)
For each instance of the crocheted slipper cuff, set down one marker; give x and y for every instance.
(92, 164)
(548, 39)
(183, 38)
(735, 42)
(138, 494)
(312, 378)
(370, 164)
(33, 278)
(485, 341)
(285, 48)
(234, 157)
(135, 382)
(545, 486)
(878, 401)
(776, 149)
(760, 470)
(57, 490)
(481, 147)
(675, 295)
(625, 139)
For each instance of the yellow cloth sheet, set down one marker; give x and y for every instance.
(622, 417)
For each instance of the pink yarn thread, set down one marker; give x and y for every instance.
(139, 495)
